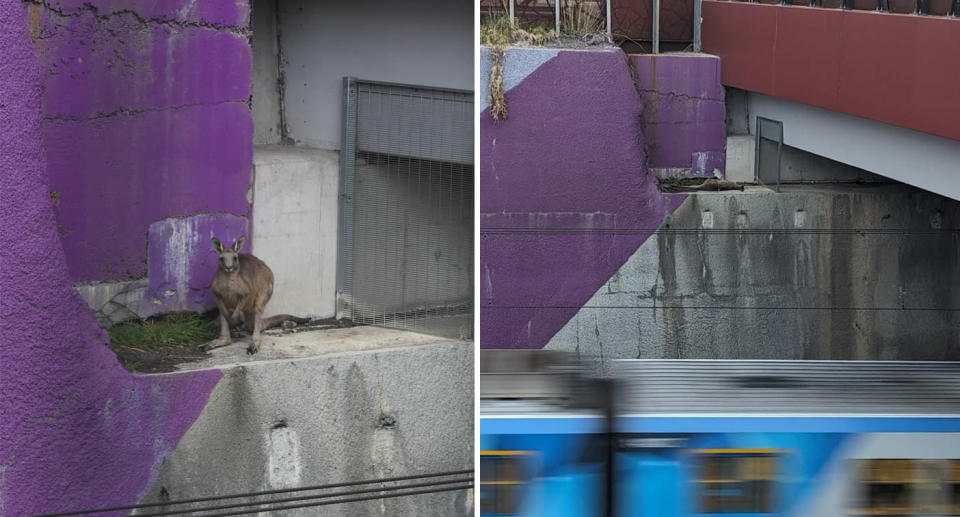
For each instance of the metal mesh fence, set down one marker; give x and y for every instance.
(406, 232)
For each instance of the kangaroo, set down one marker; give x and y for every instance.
(243, 285)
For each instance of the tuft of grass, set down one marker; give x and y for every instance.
(581, 18)
(133, 340)
(496, 32)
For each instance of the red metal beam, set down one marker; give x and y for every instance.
(899, 69)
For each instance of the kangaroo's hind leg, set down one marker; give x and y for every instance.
(224, 338)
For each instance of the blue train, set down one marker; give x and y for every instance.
(685, 438)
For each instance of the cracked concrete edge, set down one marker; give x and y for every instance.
(131, 112)
(88, 8)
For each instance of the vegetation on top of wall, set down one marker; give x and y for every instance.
(158, 343)
(582, 23)
(696, 184)
(496, 33)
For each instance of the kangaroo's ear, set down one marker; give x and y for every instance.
(238, 244)
(217, 245)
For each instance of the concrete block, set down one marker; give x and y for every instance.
(740, 158)
(295, 211)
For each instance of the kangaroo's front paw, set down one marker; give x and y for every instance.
(235, 316)
(254, 347)
(216, 343)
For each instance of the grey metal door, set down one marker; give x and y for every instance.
(769, 146)
(405, 254)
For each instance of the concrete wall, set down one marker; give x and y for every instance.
(565, 197)
(295, 210)
(428, 43)
(812, 287)
(796, 165)
(343, 417)
(78, 431)
(145, 118)
(267, 128)
(682, 113)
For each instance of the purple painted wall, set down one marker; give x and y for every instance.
(77, 430)
(145, 117)
(683, 112)
(565, 197)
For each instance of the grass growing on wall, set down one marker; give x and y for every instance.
(582, 23)
(156, 343)
(496, 33)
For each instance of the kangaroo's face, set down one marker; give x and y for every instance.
(229, 257)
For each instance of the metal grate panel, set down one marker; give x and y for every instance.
(724, 386)
(406, 211)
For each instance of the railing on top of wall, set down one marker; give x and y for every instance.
(919, 7)
(544, 10)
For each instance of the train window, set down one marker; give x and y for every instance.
(906, 487)
(504, 476)
(736, 481)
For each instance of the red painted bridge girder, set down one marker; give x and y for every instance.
(895, 68)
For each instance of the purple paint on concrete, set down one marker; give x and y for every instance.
(568, 161)
(117, 175)
(217, 13)
(144, 119)
(182, 260)
(77, 430)
(683, 111)
(91, 72)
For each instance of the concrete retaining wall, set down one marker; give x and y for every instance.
(566, 195)
(768, 294)
(329, 419)
(682, 105)
(145, 118)
(78, 431)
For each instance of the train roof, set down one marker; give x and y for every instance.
(787, 387)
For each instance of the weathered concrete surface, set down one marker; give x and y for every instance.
(565, 197)
(334, 418)
(295, 210)
(712, 293)
(145, 118)
(280, 345)
(181, 264)
(266, 74)
(77, 430)
(683, 113)
(796, 166)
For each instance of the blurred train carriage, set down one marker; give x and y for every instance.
(677, 438)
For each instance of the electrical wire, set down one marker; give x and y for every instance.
(309, 497)
(721, 231)
(725, 307)
(265, 492)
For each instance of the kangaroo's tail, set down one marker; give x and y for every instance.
(276, 321)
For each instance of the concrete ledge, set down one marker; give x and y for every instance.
(331, 418)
